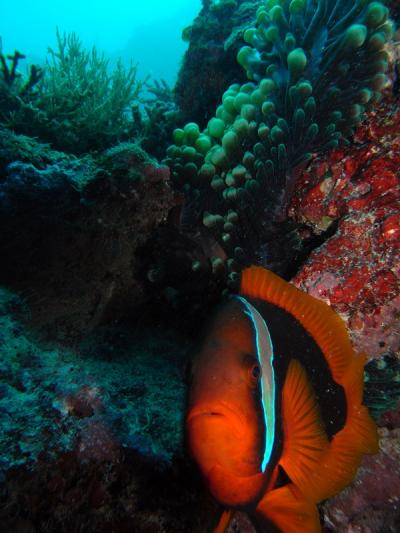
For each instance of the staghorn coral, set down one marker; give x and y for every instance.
(11, 77)
(314, 67)
(87, 104)
(75, 104)
(14, 88)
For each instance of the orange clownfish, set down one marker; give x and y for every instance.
(275, 419)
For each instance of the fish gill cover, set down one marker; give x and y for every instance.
(314, 68)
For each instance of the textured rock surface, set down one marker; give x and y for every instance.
(130, 494)
(357, 189)
(215, 37)
(92, 438)
(354, 195)
(71, 228)
(372, 502)
(119, 387)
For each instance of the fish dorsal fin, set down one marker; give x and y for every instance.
(304, 439)
(288, 510)
(318, 319)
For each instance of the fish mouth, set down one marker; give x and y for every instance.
(219, 435)
(216, 410)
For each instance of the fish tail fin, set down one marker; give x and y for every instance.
(288, 510)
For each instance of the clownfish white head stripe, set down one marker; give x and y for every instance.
(265, 356)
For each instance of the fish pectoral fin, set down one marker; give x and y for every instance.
(288, 510)
(224, 521)
(319, 468)
(305, 440)
(339, 464)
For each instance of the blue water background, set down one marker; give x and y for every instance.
(146, 31)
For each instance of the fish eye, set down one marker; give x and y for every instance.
(253, 369)
(256, 371)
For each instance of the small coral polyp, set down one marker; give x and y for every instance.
(313, 67)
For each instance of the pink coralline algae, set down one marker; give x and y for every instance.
(371, 503)
(97, 442)
(357, 270)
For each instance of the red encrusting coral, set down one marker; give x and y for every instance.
(357, 269)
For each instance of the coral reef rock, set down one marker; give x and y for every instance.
(371, 503)
(71, 227)
(355, 192)
(214, 40)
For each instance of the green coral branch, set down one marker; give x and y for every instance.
(79, 104)
(10, 77)
(9, 73)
